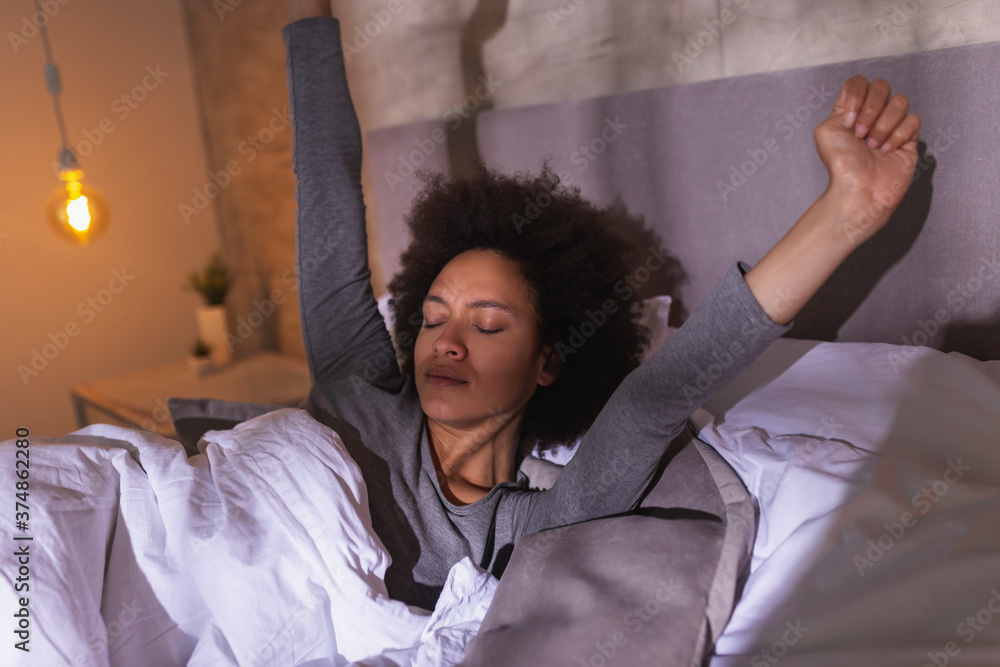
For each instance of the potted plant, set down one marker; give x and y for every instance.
(199, 359)
(213, 283)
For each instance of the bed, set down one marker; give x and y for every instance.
(885, 388)
(839, 503)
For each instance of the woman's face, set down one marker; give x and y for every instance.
(478, 354)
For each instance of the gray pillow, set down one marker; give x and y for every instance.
(655, 586)
(193, 417)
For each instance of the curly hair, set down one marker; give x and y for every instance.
(572, 260)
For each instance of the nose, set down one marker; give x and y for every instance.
(449, 342)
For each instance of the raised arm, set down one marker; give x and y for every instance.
(343, 331)
(615, 461)
(869, 146)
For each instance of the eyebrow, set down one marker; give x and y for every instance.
(481, 303)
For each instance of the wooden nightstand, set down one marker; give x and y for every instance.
(139, 399)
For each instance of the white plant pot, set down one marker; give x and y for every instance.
(212, 329)
(200, 365)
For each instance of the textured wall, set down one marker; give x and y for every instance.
(239, 63)
(547, 50)
(411, 60)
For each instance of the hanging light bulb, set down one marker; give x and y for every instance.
(75, 209)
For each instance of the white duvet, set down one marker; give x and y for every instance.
(877, 471)
(259, 552)
(876, 468)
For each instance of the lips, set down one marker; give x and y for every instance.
(440, 376)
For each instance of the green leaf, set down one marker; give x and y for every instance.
(213, 282)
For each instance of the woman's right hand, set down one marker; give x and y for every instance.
(301, 9)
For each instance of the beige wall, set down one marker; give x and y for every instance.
(146, 166)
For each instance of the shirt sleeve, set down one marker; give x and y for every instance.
(343, 331)
(616, 459)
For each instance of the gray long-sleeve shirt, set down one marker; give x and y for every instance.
(360, 393)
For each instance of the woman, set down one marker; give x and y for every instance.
(480, 323)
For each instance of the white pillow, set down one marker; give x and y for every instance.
(655, 315)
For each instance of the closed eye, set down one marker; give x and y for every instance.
(480, 329)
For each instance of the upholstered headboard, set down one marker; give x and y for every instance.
(719, 170)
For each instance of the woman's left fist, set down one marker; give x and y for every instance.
(869, 147)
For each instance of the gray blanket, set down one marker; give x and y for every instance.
(652, 587)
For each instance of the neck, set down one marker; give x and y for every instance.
(472, 460)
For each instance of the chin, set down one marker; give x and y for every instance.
(436, 406)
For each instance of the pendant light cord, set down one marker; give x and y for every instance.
(67, 158)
